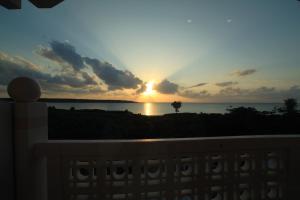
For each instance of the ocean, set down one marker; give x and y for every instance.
(165, 108)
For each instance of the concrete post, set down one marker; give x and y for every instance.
(6, 152)
(30, 127)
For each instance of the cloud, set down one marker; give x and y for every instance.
(167, 87)
(13, 66)
(236, 94)
(194, 95)
(76, 81)
(49, 54)
(142, 88)
(230, 91)
(197, 85)
(273, 93)
(61, 90)
(114, 78)
(62, 52)
(226, 84)
(244, 72)
(261, 94)
(88, 78)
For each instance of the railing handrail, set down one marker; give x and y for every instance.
(285, 136)
(163, 146)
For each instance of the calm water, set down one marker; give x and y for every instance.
(162, 108)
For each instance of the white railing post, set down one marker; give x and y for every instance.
(29, 127)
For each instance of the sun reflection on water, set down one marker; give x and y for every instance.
(148, 108)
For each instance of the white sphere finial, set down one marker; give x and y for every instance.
(24, 89)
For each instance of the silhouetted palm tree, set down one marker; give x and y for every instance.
(290, 106)
(176, 105)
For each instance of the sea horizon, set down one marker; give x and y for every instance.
(155, 108)
(75, 100)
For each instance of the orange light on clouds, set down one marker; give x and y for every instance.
(151, 95)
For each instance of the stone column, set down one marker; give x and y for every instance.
(6, 152)
(30, 127)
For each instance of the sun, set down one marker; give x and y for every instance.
(149, 89)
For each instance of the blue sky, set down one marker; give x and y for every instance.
(234, 50)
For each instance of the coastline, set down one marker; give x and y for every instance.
(64, 100)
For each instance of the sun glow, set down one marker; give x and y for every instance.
(149, 89)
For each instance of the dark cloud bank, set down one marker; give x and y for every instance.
(167, 87)
(63, 52)
(71, 74)
(114, 78)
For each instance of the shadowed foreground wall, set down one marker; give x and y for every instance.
(6, 152)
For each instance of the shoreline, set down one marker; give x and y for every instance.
(58, 100)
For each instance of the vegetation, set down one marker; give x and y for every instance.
(242, 111)
(99, 124)
(290, 107)
(176, 105)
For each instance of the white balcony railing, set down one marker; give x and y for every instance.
(220, 168)
(228, 168)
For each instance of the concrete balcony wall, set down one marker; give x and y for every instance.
(220, 168)
(6, 152)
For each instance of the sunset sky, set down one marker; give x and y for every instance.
(156, 50)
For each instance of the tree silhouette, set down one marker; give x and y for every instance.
(176, 105)
(290, 106)
(242, 111)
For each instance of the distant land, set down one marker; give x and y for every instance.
(54, 100)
